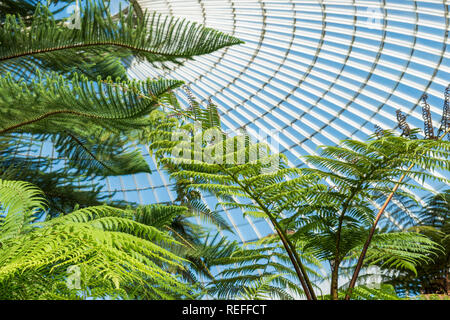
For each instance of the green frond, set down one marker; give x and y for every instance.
(19, 201)
(52, 98)
(400, 250)
(154, 37)
(383, 292)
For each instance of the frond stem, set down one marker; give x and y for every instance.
(192, 247)
(87, 45)
(46, 115)
(355, 190)
(289, 247)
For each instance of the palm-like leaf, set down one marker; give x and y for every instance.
(154, 37)
(331, 207)
(97, 112)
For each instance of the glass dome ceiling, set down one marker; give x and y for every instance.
(315, 72)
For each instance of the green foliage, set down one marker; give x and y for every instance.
(44, 172)
(112, 248)
(19, 202)
(432, 297)
(69, 86)
(73, 91)
(326, 209)
(399, 250)
(261, 289)
(362, 174)
(115, 106)
(384, 292)
(208, 117)
(154, 37)
(100, 115)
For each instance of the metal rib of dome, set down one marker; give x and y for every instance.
(315, 71)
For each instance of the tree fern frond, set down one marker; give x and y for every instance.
(19, 201)
(154, 37)
(105, 243)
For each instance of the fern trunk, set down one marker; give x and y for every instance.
(335, 280)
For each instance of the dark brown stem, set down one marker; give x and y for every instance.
(46, 115)
(337, 261)
(447, 279)
(89, 152)
(334, 280)
(288, 245)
